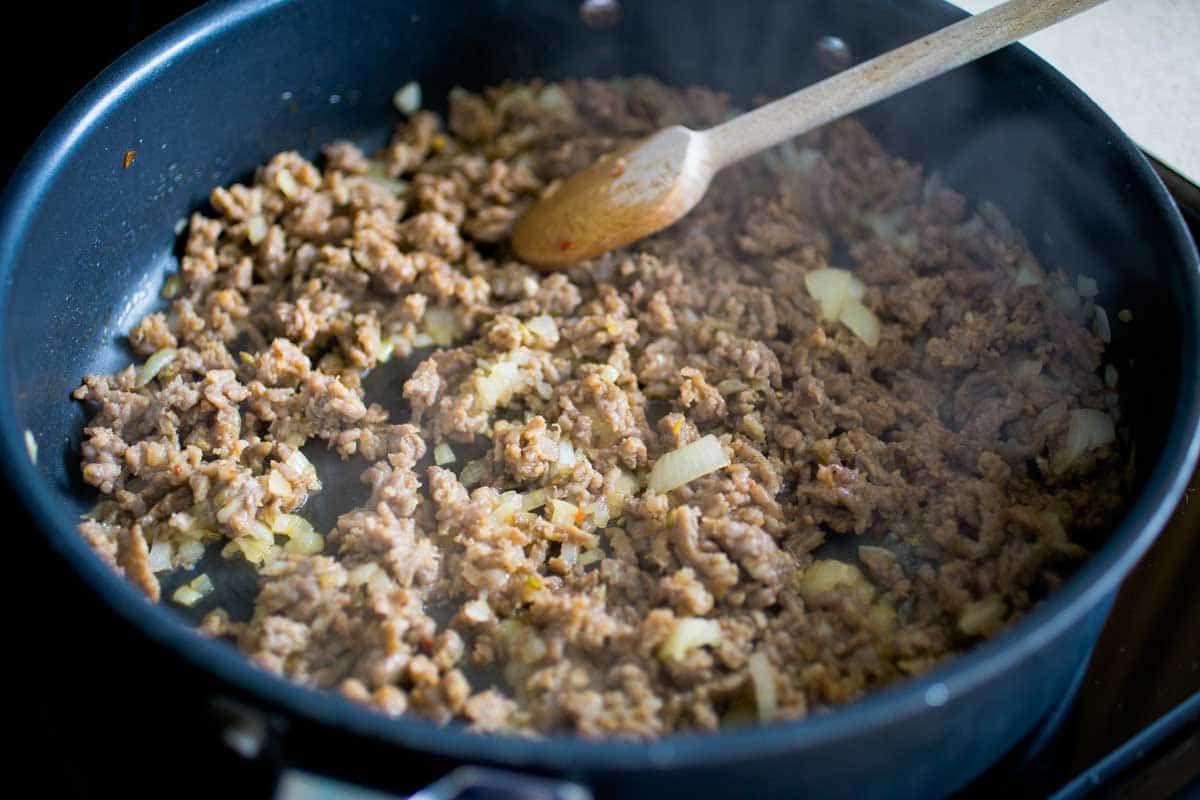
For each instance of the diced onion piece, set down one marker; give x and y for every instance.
(689, 462)
(825, 575)
(598, 512)
(154, 365)
(510, 503)
(829, 287)
(260, 531)
(1101, 325)
(1028, 274)
(534, 500)
(478, 611)
(407, 98)
(1087, 287)
(569, 553)
(189, 552)
(562, 512)
(688, 634)
(286, 183)
(279, 485)
(422, 340)
(1088, 429)
(590, 556)
(303, 539)
(362, 573)
(982, 617)
(609, 373)
(621, 486)
(442, 325)
(861, 320)
(472, 473)
(299, 462)
(762, 676)
(193, 591)
(443, 454)
(256, 229)
(566, 455)
(160, 556)
(186, 596)
(497, 383)
(545, 328)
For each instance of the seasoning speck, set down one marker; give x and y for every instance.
(31, 446)
(564, 245)
(128, 160)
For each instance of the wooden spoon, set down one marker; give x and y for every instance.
(647, 186)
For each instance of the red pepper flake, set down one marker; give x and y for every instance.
(128, 160)
(564, 245)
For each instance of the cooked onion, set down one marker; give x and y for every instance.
(566, 455)
(443, 454)
(686, 464)
(563, 513)
(829, 287)
(569, 553)
(534, 500)
(407, 98)
(688, 634)
(1089, 429)
(763, 678)
(154, 365)
(194, 591)
(861, 320)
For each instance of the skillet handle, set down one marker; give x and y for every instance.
(464, 783)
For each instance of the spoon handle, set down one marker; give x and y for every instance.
(883, 76)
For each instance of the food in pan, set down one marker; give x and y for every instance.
(834, 427)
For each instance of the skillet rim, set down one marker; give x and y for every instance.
(1099, 577)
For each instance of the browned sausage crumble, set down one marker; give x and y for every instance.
(832, 428)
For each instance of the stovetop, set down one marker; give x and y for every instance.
(99, 711)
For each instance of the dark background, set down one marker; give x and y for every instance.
(98, 711)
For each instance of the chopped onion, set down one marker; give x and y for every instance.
(472, 473)
(566, 455)
(154, 365)
(762, 676)
(982, 616)
(443, 454)
(590, 556)
(194, 591)
(569, 553)
(688, 634)
(286, 183)
(279, 485)
(422, 340)
(825, 575)
(304, 540)
(598, 512)
(510, 503)
(689, 462)
(829, 287)
(160, 556)
(442, 325)
(1028, 273)
(1101, 326)
(1089, 429)
(407, 98)
(609, 373)
(861, 320)
(563, 513)
(534, 500)
(256, 229)
(545, 328)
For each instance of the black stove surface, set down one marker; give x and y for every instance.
(100, 711)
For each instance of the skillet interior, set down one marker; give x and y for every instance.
(86, 242)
